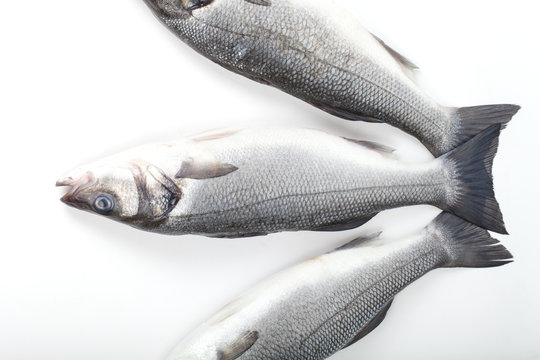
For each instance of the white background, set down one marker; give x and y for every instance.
(83, 79)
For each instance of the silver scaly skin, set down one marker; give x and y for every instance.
(318, 307)
(316, 51)
(233, 183)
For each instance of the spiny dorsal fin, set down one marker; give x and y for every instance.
(203, 169)
(376, 321)
(402, 60)
(380, 148)
(215, 134)
(260, 2)
(240, 346)
(359, 241)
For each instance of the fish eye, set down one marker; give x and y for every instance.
(103, 204)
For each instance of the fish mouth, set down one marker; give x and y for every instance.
(75, 196)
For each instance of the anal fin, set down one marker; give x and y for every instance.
(345, 114)
(376, 321)
(346, 225)
(359, 241)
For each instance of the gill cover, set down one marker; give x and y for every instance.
(158, 194)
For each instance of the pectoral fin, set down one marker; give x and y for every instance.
(376, 321)
(240, 346)
(207, 169)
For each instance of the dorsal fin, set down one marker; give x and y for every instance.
(376, 321)
(215, 134)
(380, 148)
(240, 346)
(407, 64)
(359, 241)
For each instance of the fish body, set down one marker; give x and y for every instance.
(316, 51)
(320, 306)
(243, 182)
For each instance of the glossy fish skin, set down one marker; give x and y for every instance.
(318, 307)
(234, 183)
(316, 51)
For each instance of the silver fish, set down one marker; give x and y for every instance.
(318, 307)
(318, 52)
(244, 182)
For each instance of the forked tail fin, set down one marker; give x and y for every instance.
(473, 120)
(471, 196)
(467, 245)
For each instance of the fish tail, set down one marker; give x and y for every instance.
(472, 120)
(470, 193)
(466, 244)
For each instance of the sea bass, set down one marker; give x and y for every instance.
(245, 182)
(318, 307)
(318, 52)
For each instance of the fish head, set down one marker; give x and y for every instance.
(175, 9)
(139, 195)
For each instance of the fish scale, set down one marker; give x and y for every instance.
(316, 308)
(263, 180)
(322, 75)
(319, 53)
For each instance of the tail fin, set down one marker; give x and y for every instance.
(467, 244)
(472, 196)
(473, 120)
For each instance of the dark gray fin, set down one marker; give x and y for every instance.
(344, 114)
(260, 2)
(237, 236)
(158, 194)
(240, 346)
(381, 149)
(472, 120)
(215, 134)
(376, 321)
(347, 225)
(360, 241)
(402, 60)
(473, 198)
(192, 169)
(467, 244)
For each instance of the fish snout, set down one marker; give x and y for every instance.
(76, 196)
